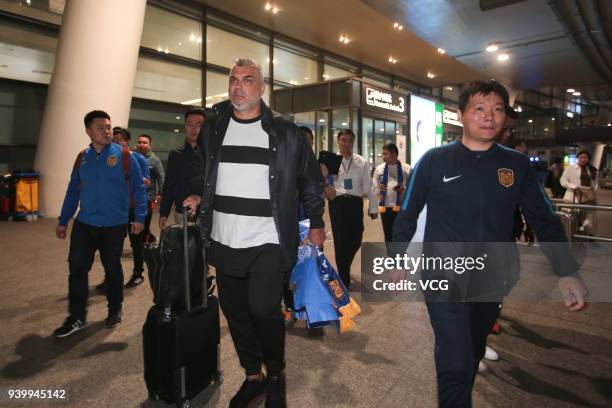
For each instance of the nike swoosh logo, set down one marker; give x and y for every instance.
(446, 180)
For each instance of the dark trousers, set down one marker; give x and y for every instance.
(346, 214)
(460, 331)
(146, 232)
(84, 241)
(250, 297)
(388, 218)
(137, 244)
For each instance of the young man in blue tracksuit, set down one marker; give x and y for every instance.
(100, 184)
(472, 188)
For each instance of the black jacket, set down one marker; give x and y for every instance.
(179, 172)
(295, 176)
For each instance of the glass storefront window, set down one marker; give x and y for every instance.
(331, 72)
(45, 10)
(340, 120)
(168, 82)
(163, 122)
(367, 147)
(26, 55)
(321, 135)
(216, 88)
(222, 48)
(171, 33)
(294, 69)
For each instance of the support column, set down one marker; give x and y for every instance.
(95, 66)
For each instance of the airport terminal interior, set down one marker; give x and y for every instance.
(391, 71)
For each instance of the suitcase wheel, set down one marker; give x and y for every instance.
(218, 377)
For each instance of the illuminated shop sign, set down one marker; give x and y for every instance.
(451, 118)
(384, 100)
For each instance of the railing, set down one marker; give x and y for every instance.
(569, 219)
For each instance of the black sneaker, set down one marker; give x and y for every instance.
(113, 320)
(134, 281)
(276, 392)
(69, 327)
(251, 392)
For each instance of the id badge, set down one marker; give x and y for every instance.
(348, 184)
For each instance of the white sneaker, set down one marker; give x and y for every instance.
(482, 367)
(491, 354)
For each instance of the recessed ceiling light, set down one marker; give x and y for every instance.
(398, 26)
(570, 114)
(176, 130)
(322, 120)
(431, 75)
(392, 60)
(609, 124)
(530, 121)
(441, 51)
(570, 90)
(503, 57)
(159, 49)
(576, 94)
(192, 37)
(492, 47)
(344, 124)
(275, 10)
(178, 117)
(344, 39)
(546, 129)
(268, 7)
(553, 118)
(519, 109)
(449, 88)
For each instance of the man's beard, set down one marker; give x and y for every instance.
(245, 106)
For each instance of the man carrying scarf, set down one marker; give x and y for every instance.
(389, 184)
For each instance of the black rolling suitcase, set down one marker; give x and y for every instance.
(181, 344)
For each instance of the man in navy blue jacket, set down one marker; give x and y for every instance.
(101, 184)
(472, 188)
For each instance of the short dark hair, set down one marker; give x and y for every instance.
(94, 114)
(391, 147)
(516, 142)
(583, 152)
(122, 131)
(194, 111)
(345, 131)
(485, 88)
(306, 130)
(144, 135)
(511, 112)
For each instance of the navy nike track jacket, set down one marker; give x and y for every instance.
(472, 196)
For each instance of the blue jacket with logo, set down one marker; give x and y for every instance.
(99, 186)
(472, 196)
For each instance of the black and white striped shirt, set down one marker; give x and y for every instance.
(242, 213)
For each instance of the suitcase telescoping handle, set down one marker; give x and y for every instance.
(186, 258)
(186, 262)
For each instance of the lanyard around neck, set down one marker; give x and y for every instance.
(346, 170)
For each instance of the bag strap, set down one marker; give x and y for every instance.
(125, 162)
(77, 163)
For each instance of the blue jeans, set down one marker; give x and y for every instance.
(461, 331)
